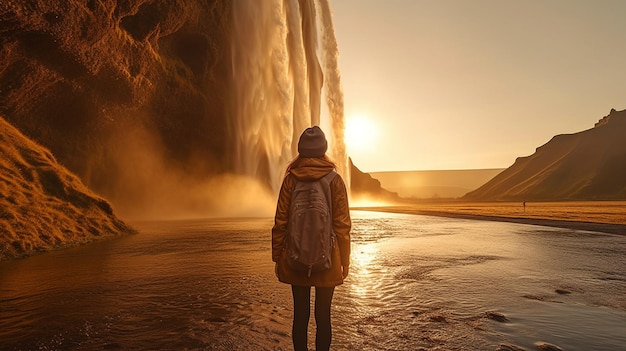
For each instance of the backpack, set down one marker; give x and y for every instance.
(310, 237)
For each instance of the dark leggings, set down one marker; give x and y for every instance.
(301, 314)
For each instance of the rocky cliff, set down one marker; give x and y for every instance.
(119, 91)
(589, 165)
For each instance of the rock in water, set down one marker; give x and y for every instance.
(544, 346)
(496, 316)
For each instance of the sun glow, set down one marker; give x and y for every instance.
(361, 133)
(356, 202)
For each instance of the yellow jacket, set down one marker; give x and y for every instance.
(310, 169)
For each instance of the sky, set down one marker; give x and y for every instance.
(460, 84)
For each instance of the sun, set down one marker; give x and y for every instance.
(361, 133)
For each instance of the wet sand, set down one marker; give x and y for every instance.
(597, 216)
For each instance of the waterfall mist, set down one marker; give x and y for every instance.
(277, 80)
(283, 68)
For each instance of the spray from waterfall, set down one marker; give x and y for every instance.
(277, 84)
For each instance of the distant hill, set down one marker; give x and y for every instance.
(434, 184)
(363, 185)
(42, 205)
(588, 165)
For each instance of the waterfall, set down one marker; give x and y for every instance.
(277, 82)
(334, 92)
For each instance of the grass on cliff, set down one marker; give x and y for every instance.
(42, 205)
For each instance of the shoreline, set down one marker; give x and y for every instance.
(545, 220)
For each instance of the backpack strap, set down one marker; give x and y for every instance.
(325, 180)
(329, 177)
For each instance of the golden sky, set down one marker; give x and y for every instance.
(460, 84)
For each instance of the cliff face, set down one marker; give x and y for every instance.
(42, 205)
(363, 186)
(589, 165)
(98, 82)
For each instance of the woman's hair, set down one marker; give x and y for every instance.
(294, 163)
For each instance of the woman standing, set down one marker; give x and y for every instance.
(312, 164)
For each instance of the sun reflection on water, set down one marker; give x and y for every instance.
(365, 269)
(362, 258)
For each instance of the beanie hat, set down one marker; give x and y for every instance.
(312, 143)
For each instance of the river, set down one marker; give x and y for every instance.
(416, 283)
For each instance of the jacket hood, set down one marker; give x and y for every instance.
(307, 169)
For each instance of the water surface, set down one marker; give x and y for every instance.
(417, 282)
